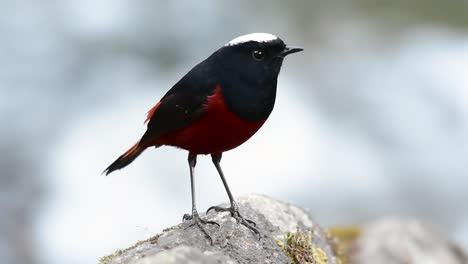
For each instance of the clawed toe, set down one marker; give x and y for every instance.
(249, 224)
(186, 217)
(197, 221)
(239, 218)
(219, 209)
(209, 222)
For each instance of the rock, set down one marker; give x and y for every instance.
(398, 241)
(185, 254)
(288, 234)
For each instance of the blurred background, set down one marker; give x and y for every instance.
(371, 119)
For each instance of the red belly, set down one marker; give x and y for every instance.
(217, 131)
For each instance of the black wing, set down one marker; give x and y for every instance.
(183, 103)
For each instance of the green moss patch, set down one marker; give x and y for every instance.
(298, 246)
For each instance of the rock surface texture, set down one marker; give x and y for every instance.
(279, 224)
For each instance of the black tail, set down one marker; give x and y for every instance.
(125, 158)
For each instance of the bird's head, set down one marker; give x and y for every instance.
(256, 56)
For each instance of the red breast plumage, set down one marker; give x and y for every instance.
(219, 130)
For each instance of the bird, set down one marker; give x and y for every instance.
(217, 106)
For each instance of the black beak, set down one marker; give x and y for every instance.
(289, 50)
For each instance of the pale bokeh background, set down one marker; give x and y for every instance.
(371, 119)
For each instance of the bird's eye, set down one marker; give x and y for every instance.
(258, 55)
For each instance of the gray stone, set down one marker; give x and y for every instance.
(233, 243)
(184, 254)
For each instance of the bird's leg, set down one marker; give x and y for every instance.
(194, 217)
(233, 209)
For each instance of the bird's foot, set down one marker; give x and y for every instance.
(195, 220)
(234, 210)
